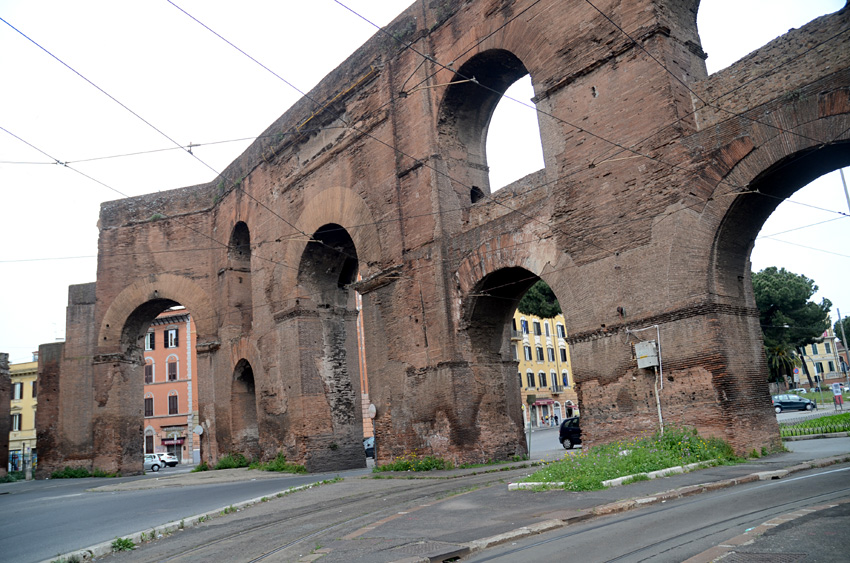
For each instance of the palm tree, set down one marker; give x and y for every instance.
(781, 361)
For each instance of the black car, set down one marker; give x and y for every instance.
(792, 403)
(570, 434)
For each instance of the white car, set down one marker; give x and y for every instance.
(169, 460)
(152, 462)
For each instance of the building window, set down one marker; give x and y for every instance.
(520, 379)
(546, 325)
(542, 379)
(148, 406)
(172, 371)
(171, 340)
(560, 329)
(563, 354)
(516, 357)
(566, 379)
(17, 391)
(172, 404)
(34, 389)
(815, 348)
(149, 444)
(527, 350)
(831, 366)
(150, 341)
(16, 423)
(818, 366)
(537, 328)
(524, 324)
(148, 373)
(551, 353)
(530, 376)
(540, 353)
(827, 348)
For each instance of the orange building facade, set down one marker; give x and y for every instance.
(170, 396)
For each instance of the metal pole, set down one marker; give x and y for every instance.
(844, 336)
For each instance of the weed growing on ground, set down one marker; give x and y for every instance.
(586, 470)
(201, 467)
(279, 464)
(413, 462)
(80, 473)
(123, 544)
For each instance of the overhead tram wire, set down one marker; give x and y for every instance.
(275, 214)
(622, 148)
(382, 142)
(147, 206)
(217, 173)
(349, 227)
(688, 88)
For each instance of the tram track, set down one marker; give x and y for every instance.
(354, 511)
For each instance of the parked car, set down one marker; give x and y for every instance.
(792, 403)
(152, 462)
(169, 460)
(570, 433)
(369, 446)
(799, 391)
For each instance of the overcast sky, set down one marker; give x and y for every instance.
(189, 84)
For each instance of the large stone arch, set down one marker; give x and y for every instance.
(115, 336)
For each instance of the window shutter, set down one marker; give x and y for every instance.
(153, 341)
(176, 339)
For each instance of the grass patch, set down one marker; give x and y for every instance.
(586, 470)
(279, 464)
(232, 461)
(414, 462)
(80, 473)
(201, 467)
(821, 425)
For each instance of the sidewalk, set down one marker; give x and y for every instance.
(459, 525)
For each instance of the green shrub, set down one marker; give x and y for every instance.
(12, 476)
(232, 461)
(413, 462)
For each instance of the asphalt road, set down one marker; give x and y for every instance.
(41, 519)
(676, 531)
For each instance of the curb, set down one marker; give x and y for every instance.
(105, 548)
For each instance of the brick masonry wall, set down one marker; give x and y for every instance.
(626, 223)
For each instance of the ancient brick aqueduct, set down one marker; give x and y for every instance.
(656, 182)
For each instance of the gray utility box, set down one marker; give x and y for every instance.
(647, 354)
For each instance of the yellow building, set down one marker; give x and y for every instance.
(822, 361)
(24, 402)
(540, 347)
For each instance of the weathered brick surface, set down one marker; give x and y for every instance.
(634, 222)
